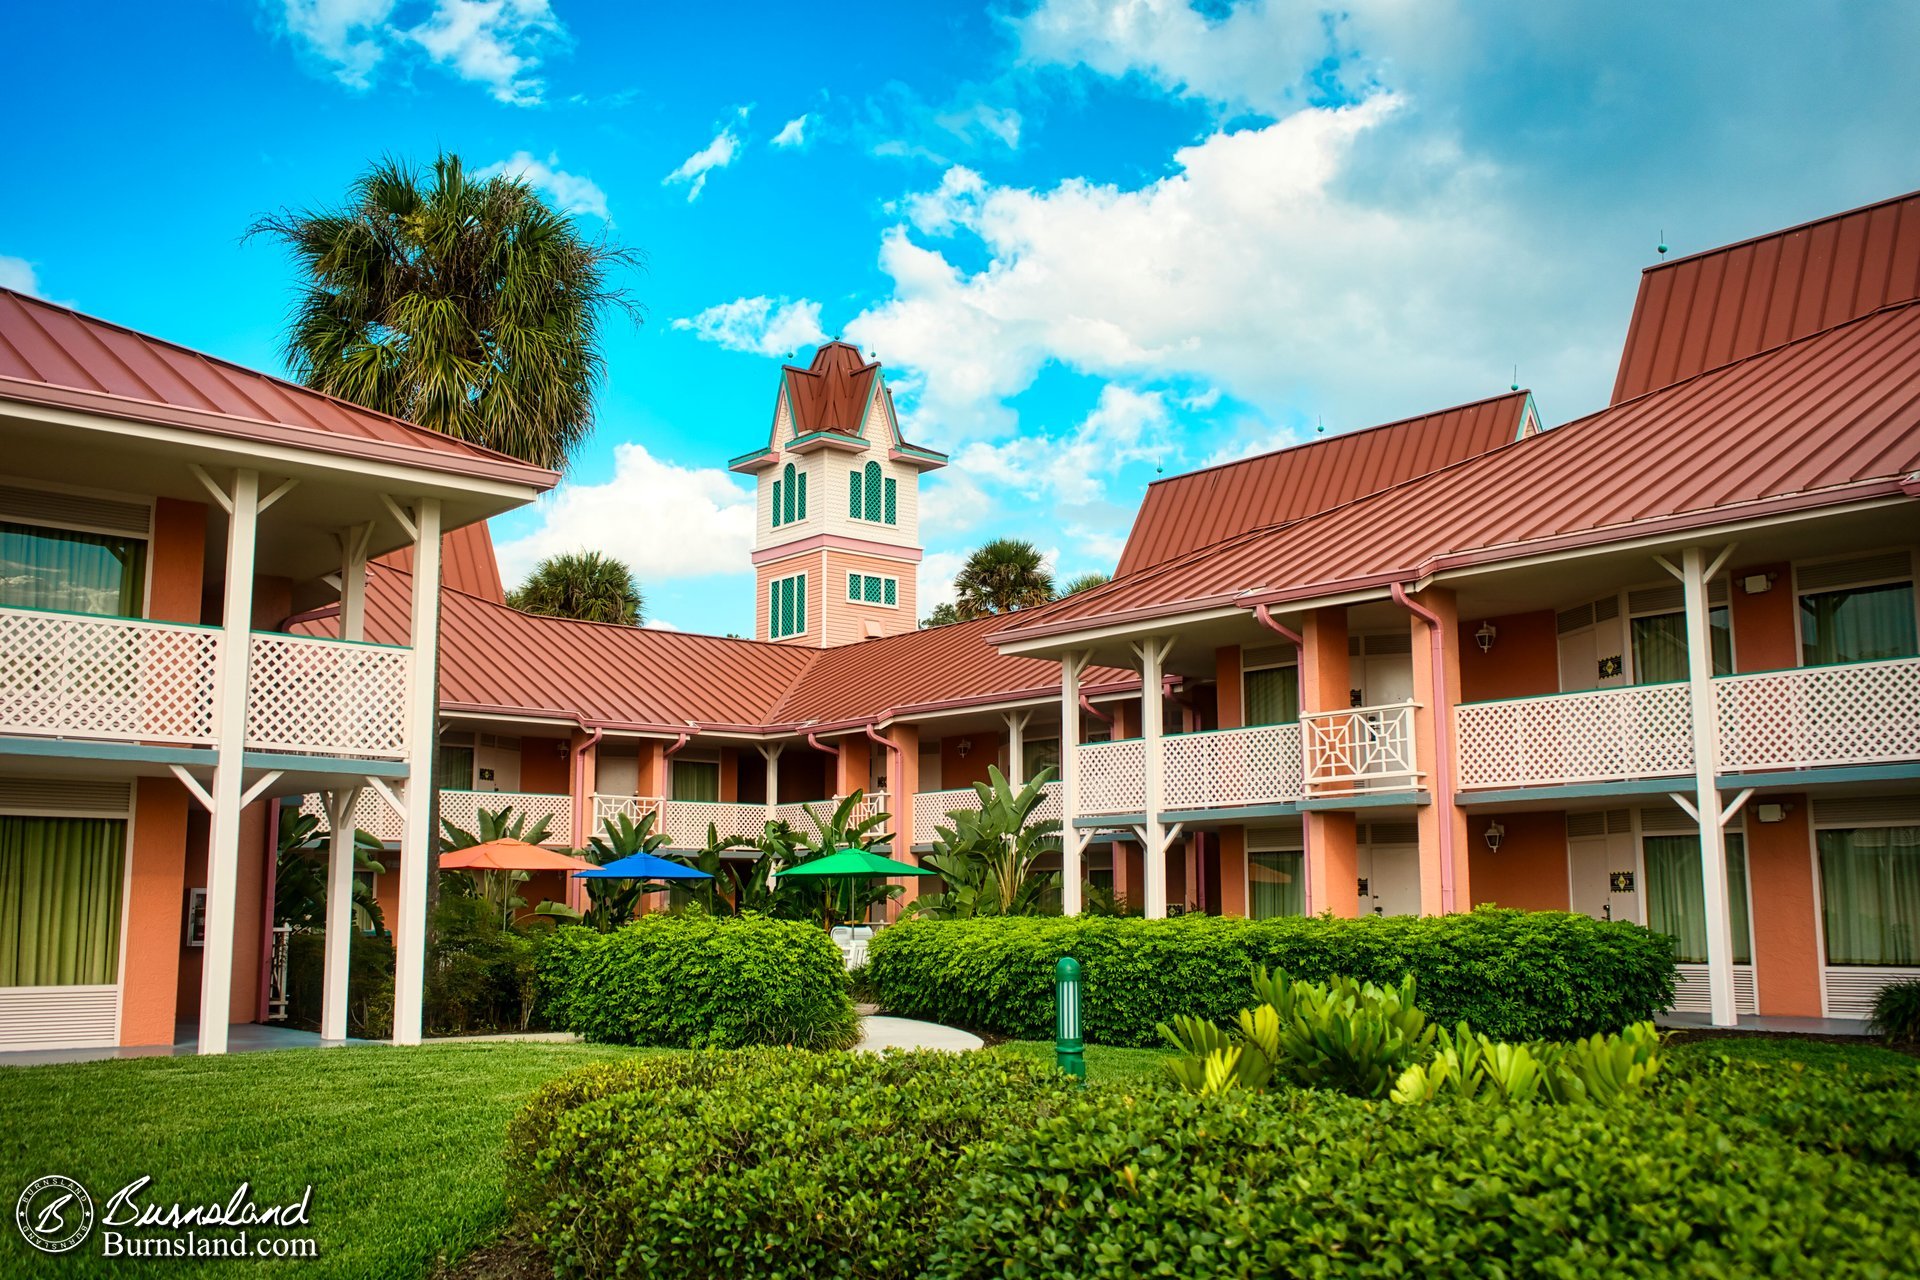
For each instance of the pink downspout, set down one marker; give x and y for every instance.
(265, 1002)
(582, 813)
(1442, 737)
(1264, 616)
(813, 740)
(1093, 711)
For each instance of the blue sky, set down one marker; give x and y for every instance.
(1089, 241)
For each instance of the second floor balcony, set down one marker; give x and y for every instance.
(689, 823)
(82, 676)
(1860, 713)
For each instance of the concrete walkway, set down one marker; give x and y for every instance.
(879, 1032)
(1774, 1023)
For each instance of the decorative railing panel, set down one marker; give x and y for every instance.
(633, 808)
(1860, 713)
(1600, 735)
(1113, 777)
(1230, 767)
(1359, 748)
(73, 676)
(371, 814)
(931, 809)
(687, 821)
(462, 809)
(331, 697)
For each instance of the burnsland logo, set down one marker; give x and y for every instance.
(54, 1214)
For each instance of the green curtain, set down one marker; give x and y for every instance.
(1273, 695)
(696, 780)
(1870, 890)
(1040, 754)
(453, 768)
(1863, 624)
(72, 572)
(1677, 901)
(1660, 646)
(1276, 884)
(60, 882)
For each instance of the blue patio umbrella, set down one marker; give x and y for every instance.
(643, 866)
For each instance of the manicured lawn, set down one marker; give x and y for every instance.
(1104, 1065)
(402, 1146)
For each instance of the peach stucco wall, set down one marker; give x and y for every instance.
(156, 912)
(845, 622)
(178, 554)
(544, 765)
(1432, 724)
(1530, 869)
(1785, 918)
(1333, 858)
(958, 771)
(1763, 623)
(1524, 660)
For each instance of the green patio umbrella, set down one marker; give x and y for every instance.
(852, 863)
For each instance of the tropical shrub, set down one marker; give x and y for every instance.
(369, 982)
(1511, 975)
(498, 887)
(611, 903)
(690, 980)
(1678, 1180)
(986, 856)
(480, 972)
(762, 1163)
(1896, 1011)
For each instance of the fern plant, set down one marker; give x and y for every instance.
(1896, 1011)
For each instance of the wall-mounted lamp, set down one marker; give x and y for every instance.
(962, 747)
(1485, 636)
(1496, 832)
(1757, 583)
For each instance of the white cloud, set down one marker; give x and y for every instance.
(665, 521)
(717, 154)
(1000, 123)
(937, 572)
(1256, 267)
(793, 133)
(1125, 426)
(496, 43)
(18, 273)
(569, 191)
(762, 325)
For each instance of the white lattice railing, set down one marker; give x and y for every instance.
(1600, 735)
(462, 809)
(334, 697)
(371, 814)
(633, 808)
(1358, 748)
(1805, 717)
(1255, 765)
(687, 821)
(1113, 776)
(74, 676)
(932, 808)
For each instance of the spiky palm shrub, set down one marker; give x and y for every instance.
(582, 584)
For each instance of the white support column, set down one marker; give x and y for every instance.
(1017, 748)
(416, 844)
(230, 721)
(772, 753)
(1153, 655)
(1072, 843)
(1694, 574)
(339, 937)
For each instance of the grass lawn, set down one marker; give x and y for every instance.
(402, 1146)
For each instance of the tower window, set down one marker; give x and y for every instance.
(787, 607)
(794, 506)
(871, 588)
(854, 507)
(776, 504)
(872, 496)
(873, 491)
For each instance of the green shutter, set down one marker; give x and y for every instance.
(800, 502)
(873, 491)
(786, 512)
(853, 586)
(853, 494)
(873, 589)
(800, 604)
(773, 610)
(776, 504)
(893, 496)
(893, 590)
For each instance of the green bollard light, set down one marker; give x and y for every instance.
(1069, 1050)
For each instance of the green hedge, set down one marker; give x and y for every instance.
(1305, 1183)
(1514, 975)
(689, 980)
(769, 1162)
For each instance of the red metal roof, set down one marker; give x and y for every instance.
(830, 394)
(1830, 418)
(1714, 307)
(467, 563)
(55, 355)
(1187, 511)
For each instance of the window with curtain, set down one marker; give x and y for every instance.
(1276, 884)
(1858, 624)
(1043, 754)
(1660, 646)
(60, 890)
(72, 572)
(1677, 901)
(1273, 695)
(1870, 894)
(696, 780)
(453, 768)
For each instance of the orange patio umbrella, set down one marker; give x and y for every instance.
(510, 855)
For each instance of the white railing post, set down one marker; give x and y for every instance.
(1017, 748)
(1072, 844)
(1152, 654)
(416, 844)
(340, 806)
(1694, 574)
(230, 720)
(771, 751)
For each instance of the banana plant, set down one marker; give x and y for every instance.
(300, 876)
(611, 903)
(497, 824)
(986, 856)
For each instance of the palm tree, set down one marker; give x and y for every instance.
(1084, 582)
(582, 584)
(468, 306)
(1004, 575)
